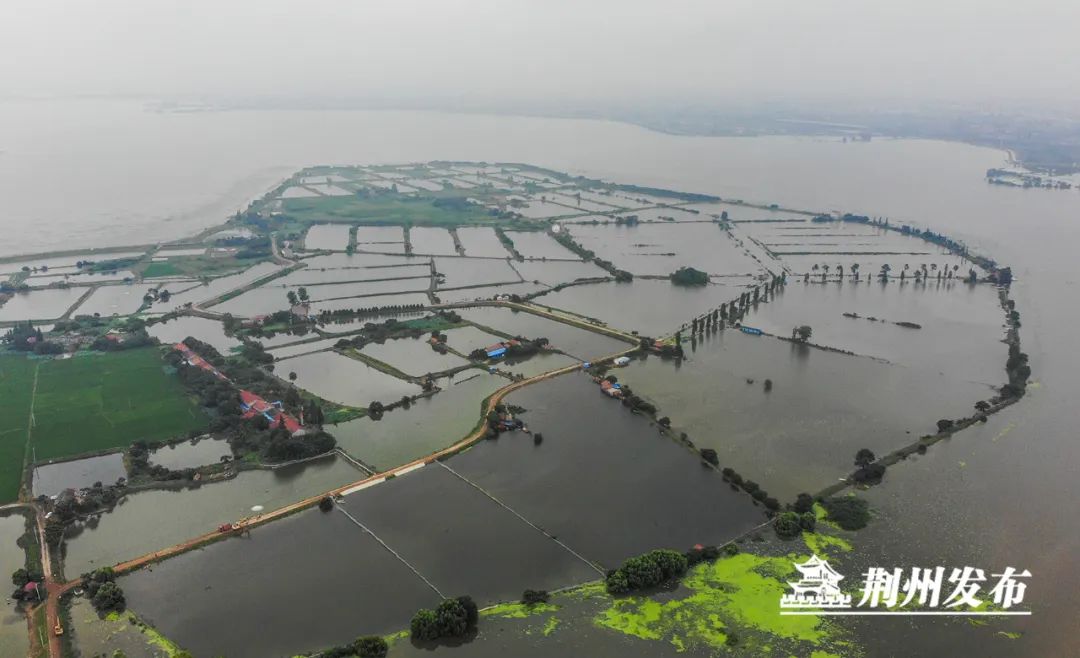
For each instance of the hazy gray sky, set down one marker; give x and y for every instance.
(548, 50)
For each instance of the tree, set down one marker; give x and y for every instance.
(804, 502)
(424, 625)
(709, 455)
(864, 457)
(452, 619)
(944, 425)
(803, 333)
(302, 294)
(326, 504)
(109, 598)
(849, 512)
(292, 376)
(292, 298)
(787, 525)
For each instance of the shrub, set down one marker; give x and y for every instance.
(534, 596)
(370, 646)
(945, 425)
(709, 455)
(807, 521)
(787, 525)
(730, 550)
(326, 504)
(848, 512)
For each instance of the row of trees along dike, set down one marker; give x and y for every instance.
(565, 239)
(451, 619)
(367, 646)
(734, 310)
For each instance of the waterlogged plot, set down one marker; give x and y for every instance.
(461, 272)
(482, 548)
(115, 300)
(537, 244)
(65, 264)
(329, 190)
(429, 185)
(258, 301)
(347, 381)
(576, 205)
(94, 636)
(538, 209)
(650, 307)
(208, 331)
(536, 364)
(427, 240)
(120, 533)
(413, 356)
(338, 261)
(957, 328)
(214, 601)
(313, 277)
(305, 347)
(429, 424)
(552, 273)
(654, 249)
(218, 287)
(48, 304)
(468, 338)
(334, 237)
(298, 192)
(191, 454)
(51, 479)
(455, 296)
(823, 407)
(481, 241)
(580, 343)
(602, 480)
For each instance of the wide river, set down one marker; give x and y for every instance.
(98, 173)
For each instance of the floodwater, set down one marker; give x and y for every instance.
(94, 636)
(553, 273)
(40, 304)
(428, 240)
(51, 479)
(326, 580)
(461, 540)
(660, 249)
(473, 272)
(191, 454)
(412, 356)
(310, 277)
(112, 182)
(115, 300)
(344, 380)
(428, 425)
(651, 307)
(468, 338)
(151, 520)
(603, 480)
(538, 244)
(823, 407)
(378, 301)
(208, 331)
(580, 343)
(962, 324)
(218, 286)
(13, 634)
(481, 241)
(334, 237)
(486, 292)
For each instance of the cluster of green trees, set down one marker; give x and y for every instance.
(868, 469)
(368, 646)
(452, 618)
(648, 570)
(688, 276)
(20, 578)
(789, 525)
(104, 594)
(749, 486)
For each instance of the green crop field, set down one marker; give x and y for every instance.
(101, 401)
(381, 209)
(16, 387)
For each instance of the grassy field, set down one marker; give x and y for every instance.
(193, 266)
(385, 209)
(16, 388)
(96, 402)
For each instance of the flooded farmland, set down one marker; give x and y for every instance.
(119, 534)
(208, 331)
(211, 601)
(51, 479)
(413, 356)
(429, 424)
(347, 381)
(653, 492)
(13, 637)
(580, 343)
